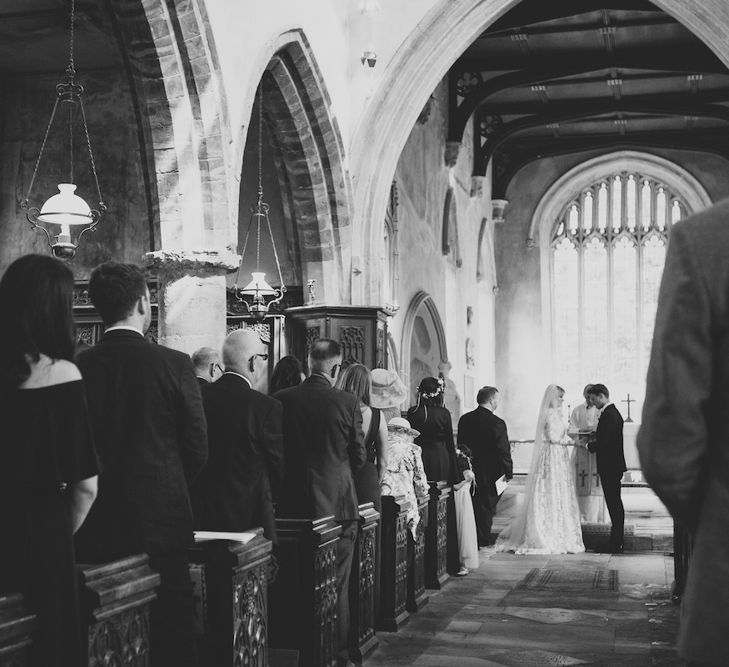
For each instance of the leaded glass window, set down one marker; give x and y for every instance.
(608, 249)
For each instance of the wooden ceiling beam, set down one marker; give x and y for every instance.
(501, 133)
(539, 31)
(514, 158)
(533, 12)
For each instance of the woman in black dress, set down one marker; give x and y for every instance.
(355, 379)
(436, 432)
(48, 464)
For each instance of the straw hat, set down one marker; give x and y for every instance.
(403, 426)
(388, 390)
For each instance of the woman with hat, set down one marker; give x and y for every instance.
(405, 475)
(436, 432)
(388, 393)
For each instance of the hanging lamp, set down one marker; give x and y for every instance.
(66, 210)
(255, 293)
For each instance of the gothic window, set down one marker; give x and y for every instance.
(608, 248)
(450, 244)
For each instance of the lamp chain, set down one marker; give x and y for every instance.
(260, 175)
(71, 68)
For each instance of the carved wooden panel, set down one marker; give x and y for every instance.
(417, 597)
(436, 539)
(250, 616)
(362, 638)
(122, 639)
(393, 581)
(352, 340)
(325, 603)
(17, 626)
(380, 347)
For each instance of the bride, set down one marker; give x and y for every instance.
(549, 520)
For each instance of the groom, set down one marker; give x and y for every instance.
(608, 445)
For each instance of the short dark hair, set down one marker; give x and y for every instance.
(323, 350)
(356, 380)
(485, 394)
(287, 373)
(36, 301)
(114, 288)
(597, 389)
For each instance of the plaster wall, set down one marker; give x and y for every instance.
(522, 344)
(124, 233)
(423, 180)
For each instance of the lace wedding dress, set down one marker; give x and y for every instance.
(549, 520)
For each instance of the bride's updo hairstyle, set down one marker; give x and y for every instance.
(559, 393)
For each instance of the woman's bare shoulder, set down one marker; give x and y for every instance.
(47, 372)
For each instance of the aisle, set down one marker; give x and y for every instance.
(587, 609)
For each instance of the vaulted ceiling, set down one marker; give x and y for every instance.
(562, 76)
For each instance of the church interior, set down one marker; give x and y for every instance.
(481, 190)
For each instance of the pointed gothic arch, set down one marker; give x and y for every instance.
(310, 160)
(422, 60)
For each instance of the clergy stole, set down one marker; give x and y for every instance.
(589, 490)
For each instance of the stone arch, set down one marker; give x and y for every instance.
(171, 60)
(421, 304)
(314, 183)
(420, 62)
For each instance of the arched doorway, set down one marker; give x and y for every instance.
(423, 342)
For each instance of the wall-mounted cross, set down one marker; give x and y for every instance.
(628, 401)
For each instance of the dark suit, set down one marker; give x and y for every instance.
(684, 439)
(149, 427)
(323, 445)
(608, 446)
(241, 479)
(202, 382)
(485, 435)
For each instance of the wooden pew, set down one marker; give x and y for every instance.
(417, 598)
(17, 625)
(115, 603)
(303, 596)
(362, 585)
(233, 583)
(436, 536)
(393, 582)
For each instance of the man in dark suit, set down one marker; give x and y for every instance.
(206, 361)
(683, 442)
(241, 479)
(323, 446)
(150, 433)
(485, 435)
(607, 444)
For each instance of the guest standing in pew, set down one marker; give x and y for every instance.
(239, 484)
(355, 380)
(388, 393)
(323, 446)
(48, 463)
(484, 434)
(206, 361)
(684, 440)
(436, 432)
(150, 432)
(287, 373)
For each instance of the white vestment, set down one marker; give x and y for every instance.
(589, 490)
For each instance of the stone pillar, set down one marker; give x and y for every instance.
(191, 296)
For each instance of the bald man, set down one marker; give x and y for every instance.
(206, 361)
(241, 479)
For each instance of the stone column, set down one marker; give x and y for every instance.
(191, 296)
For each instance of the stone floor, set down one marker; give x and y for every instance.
(586, 609)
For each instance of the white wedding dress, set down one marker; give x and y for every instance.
(549, 520)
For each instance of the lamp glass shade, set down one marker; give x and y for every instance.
(66, 208)
(258, 286)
